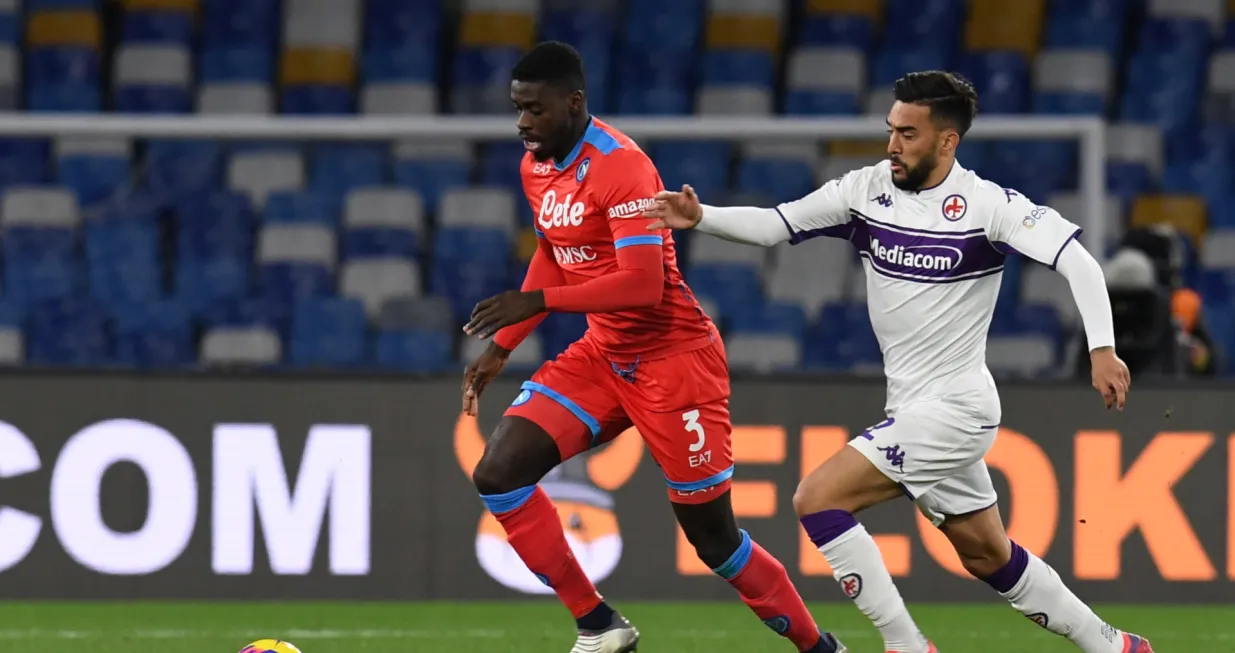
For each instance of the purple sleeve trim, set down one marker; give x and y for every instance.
(1076, 234)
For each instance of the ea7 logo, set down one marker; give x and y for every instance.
(632, 208)
(560, 214)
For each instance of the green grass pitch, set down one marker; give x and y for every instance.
(544, 627)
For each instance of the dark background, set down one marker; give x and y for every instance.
(425, 512)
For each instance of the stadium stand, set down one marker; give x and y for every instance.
(168, 253)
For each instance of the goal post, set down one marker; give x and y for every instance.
(1089, 132)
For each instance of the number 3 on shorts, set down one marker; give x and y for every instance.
(691, 417)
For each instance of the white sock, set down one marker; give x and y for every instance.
(858, 566)
(1041, 595)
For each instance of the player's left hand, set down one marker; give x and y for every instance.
(503, 310)
(1110, 377)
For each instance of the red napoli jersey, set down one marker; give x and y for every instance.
(587, 208)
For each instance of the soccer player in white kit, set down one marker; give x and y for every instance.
(933, 237)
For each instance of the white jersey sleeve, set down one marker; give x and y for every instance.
(825, 212)
(1038, 232)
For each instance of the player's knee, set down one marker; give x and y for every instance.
(812, 497)
(490, 478)
(983, 557)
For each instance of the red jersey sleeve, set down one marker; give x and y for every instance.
(542, 272)
(630, 184)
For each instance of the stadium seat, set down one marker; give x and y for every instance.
(329, 332)
(398, 99)
(745, 24)
(763, 352)
(10, 78)
(236, 64)
(825, 81)
(1073, 82)
(155, 334)
(12, 339)
(1220, 88)
(235, 98)
(479, 208)
(432, 167)
(702, 164)
(374, 281)
(1071, 205)
(124, 262)
(416, 313)
(296, 260)
(1001, 26)
(735, 101)
(1020, 356)
(1218, 250)
(241, 347)
(153, 79)
(384, 208)
(781, 172)
(69, 332)
(810, 275)
(258, 174)
(414, 351)
(163, 22)
(1212, 12)
(527, 356)
(1185, 213)
(1137, 144)
(70, 28)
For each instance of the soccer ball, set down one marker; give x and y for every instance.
(270, 646)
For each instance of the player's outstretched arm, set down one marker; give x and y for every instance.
(741, 224)
(1084, 275)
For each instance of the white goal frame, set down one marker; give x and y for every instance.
(1090, 132)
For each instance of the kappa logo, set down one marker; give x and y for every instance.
(851, 585)
(954, 208)
(1039, 618)
(631, 209)
(895, 456)
(883, 200)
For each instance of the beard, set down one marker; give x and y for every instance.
(917, 175)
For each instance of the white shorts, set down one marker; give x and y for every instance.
(934, 450)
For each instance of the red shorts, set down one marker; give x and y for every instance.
(679, 404)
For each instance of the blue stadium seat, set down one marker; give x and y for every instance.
(240, 22)
(64, 98)
(328, 332)
(591, 31)
(69, 332)
(336, 169)
(59, 67)
(779, 180)
(11, 28)
(124, 263)
(286, 282)
(378, 242)
(245, 312)
(39, 243)
(702, 164)
(94, 177)
(236, 63)
(741, 67)
(146, 26)
(470, 265)
(1088, 24)
(893, 63)
(318, 100)
(773, 317)
(214, 226)
(838, 30)
(156, 334)
(32, 280)
(402, 41)
(1001, 79)
(178, 167)
(431, 178)
(199, 283)
(23, 161)
(414, 351)
(842, 339)
(303, 207)
(933, 24)
(733, 288)
(153, 99)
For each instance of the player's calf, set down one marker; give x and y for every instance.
(826, 501)
(1030, 585)
(759, 578)
(516, 457)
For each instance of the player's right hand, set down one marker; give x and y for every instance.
(674, 210)
(1110, 377)
(479, 373)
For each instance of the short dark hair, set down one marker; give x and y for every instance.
(554, 63)
(951, 98)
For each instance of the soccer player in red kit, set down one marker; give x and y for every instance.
(650, 358)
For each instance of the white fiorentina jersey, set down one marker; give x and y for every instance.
(934, 263)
